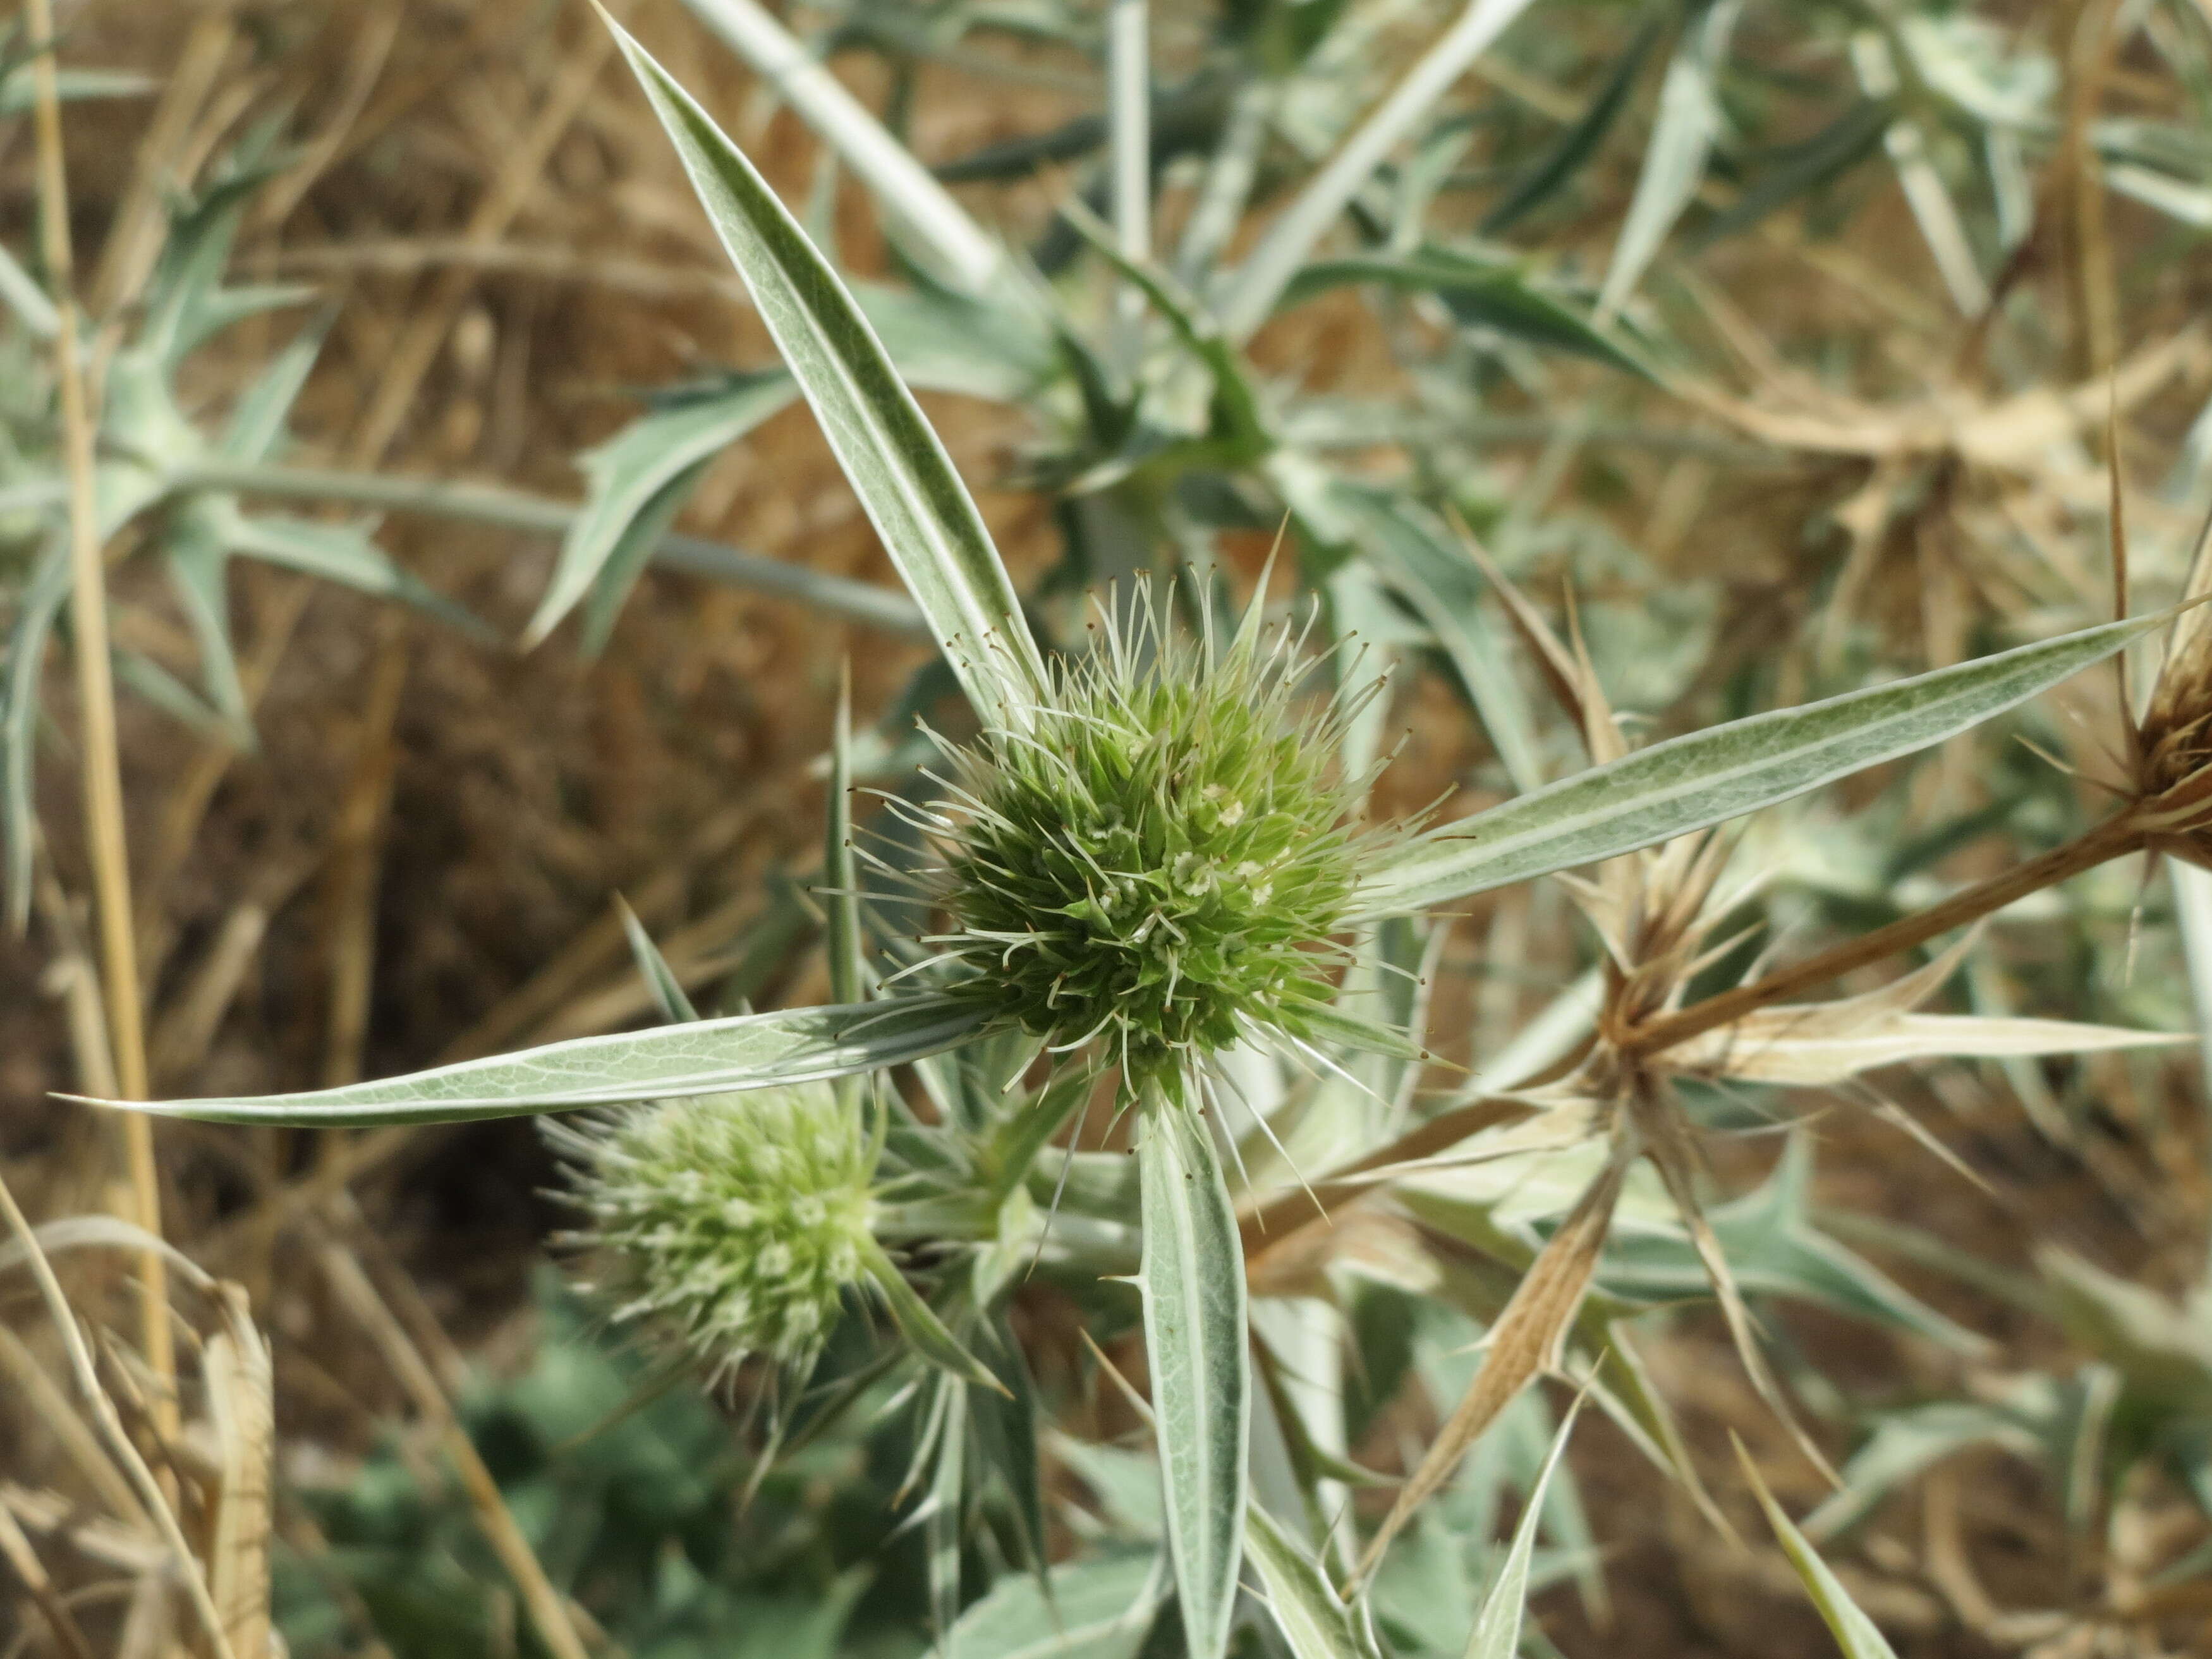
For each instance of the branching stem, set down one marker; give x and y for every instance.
(2116, 837)
(514, 509)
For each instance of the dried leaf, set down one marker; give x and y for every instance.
(1524, 1341)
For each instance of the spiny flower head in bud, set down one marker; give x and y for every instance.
(732, 1223)
(1158, 861)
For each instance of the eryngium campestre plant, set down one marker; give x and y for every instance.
(1158, 861)
(730, 1224)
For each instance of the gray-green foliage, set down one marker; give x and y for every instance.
(1151, 858)
(148, 447)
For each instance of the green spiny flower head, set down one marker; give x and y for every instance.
(733, 1222)
(1158, 861)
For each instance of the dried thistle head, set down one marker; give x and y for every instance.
(1158, 861)
(2174, 736)
(731, 1224)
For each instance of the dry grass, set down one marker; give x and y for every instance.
(419, 861)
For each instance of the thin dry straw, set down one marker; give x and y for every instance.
(102, 767)
(120, 1446)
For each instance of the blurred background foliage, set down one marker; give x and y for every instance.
(1773, 348)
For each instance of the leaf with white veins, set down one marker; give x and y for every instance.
(891, 456)
(1192, 1278)
(1708, 777)
(712, 1057)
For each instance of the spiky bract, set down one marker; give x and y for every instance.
(1158, 861)
(733, 1222)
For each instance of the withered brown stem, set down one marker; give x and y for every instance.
(2116, 837)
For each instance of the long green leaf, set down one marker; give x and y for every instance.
(1708, 777)
(940, 230)
(1313, 1619)
(1682, 137)
(627, 473)
(1444, 587)
(336, 552)
(43, 597)
(1498, 1626)
(918, 1322)
(1259, 282)
(1480, 293)
(1575, 146)
(713, 1056)
(904, 479)
(1854, 1631)
(1193, 1278)
(666, 990)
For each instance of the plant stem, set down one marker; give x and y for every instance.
(1261, 281)
(942, 230)
(513, 509)
(102, 766)
(2114, 838)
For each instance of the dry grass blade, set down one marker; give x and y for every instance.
(102, 767)
(1557, 668)
(1274, 1224)
(1674, 1157)
(120, 1446)
(1524, 1342)
(2114, 838)
(17, 1548)
(76, 1437)
(358, 855)
(241, 1409)
(1814, 1044)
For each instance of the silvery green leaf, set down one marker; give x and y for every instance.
(713, 1056)
(42, 600)
(1236, 417)
(1803, 168)
(20, 292)
(186, 303)
(1904, 1442)
(1005, 1421)
(1578, 142)
(896, 464)
(918, 1322)
(1097, 1609)
(1193, 1280)
(173, 697)
(2189, 204)
(1688, 121)
(1498, 1626)
(1774, 1248)
(945, 341)
(70, 85)
(928, 219)
(625, 475)
(343, 553)
(198, 559)
(257, 420)
(1313, 1619)
(668, 993)
(1708, 777)
(1260, 281)
(1444, 587)
(1480, 293)
(633, 548)
(1854, 1631)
